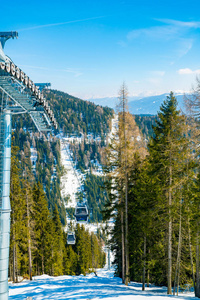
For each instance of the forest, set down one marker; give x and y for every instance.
(75, 117)
(38, 243)
(146, 181)
(154, 197)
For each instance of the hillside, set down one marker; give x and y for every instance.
(84, 126)
(76, 116)
(41, 153)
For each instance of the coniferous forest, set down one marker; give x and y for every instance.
(149, 191)
(38, 243)
(154, 197)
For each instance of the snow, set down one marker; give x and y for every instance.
(33, 157)
(71, 181)
(103, 286)
(114, 128)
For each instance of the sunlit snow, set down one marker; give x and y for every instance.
(103, 286)
(72, 180)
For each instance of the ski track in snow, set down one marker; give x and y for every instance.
(114, 128)
(104, 286)
(71, 181)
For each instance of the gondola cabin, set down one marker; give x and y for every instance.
(71, 238)
(81, 214)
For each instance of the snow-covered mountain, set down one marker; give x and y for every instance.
(151, 105)
(146, 105)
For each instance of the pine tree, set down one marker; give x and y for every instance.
(41, 218)
(167, 157)
(58, 244)
(18, 224)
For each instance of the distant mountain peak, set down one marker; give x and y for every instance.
(142, 105)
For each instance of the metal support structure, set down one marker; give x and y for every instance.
(5, 162)
(4, 36)
(19, 95)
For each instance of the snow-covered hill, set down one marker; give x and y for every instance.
(103, 286)
(141, 105)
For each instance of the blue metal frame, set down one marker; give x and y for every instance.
(26, 98)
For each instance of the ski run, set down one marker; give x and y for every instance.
(103, 286)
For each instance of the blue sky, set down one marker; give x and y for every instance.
(88, 48)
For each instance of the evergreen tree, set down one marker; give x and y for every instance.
(18, 222)
(167, 158)
(58, 244)
(42, 229)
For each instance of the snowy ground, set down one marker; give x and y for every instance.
(71, 182)
(114, 128)
(104, 286)
(33, 157)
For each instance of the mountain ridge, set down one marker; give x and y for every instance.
(141, 105)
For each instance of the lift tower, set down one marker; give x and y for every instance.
(18, 94)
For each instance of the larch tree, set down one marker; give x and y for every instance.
(120, 160)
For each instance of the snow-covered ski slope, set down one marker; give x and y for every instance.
(72, 180)
(104, 286)
(114, 128)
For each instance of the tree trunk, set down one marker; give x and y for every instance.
(144, 263)
(16, 268)
(126, 194)
(197, 290)
(148, 277)
(42, 264)
(191, 256)
(176, 279)
(14, 263)
(123, 253)
(126, 237)
(148, 272)
(169, 275)
(29, 259)
(29, 239)
(10, 270)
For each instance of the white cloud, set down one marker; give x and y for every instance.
(178, 32)
(157, 32)
(180, 23)
(187, 71)
(170, 30)
(184, 46)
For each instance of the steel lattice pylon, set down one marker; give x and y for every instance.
(18, 95)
